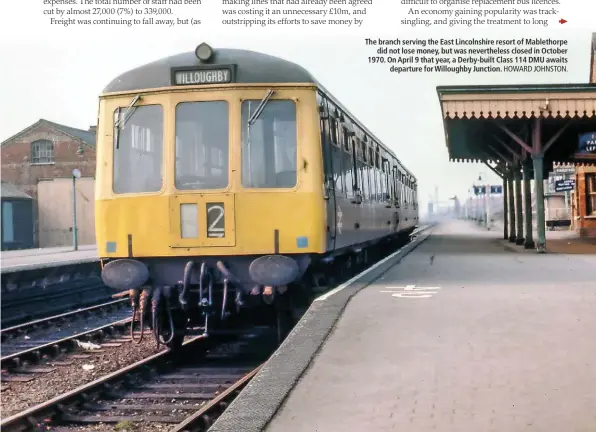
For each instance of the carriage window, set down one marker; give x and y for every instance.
(269, 148)
(138, 148)
(202, 145)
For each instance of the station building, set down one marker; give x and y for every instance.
(584, 202)
(584, 207)
(521, 132)
(39, 161)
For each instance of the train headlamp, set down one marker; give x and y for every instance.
(204, 52)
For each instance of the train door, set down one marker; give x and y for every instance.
(399, 197)
(329, 179)
(202, 213)
(391, 194)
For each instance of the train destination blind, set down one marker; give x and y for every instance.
(202, 76)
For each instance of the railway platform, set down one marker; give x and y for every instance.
(560, 242)
(34, 259)
(462, 335)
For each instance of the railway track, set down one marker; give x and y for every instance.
(25, 345)
(37, 302)
(185, 397)
(185, 392)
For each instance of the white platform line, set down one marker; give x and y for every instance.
(410, 292)
(359, 275)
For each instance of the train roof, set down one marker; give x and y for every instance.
(250, 67)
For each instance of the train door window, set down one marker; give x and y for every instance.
(202, 145)
(338, 166)
(357, 180)
(363, 174)
(392, 180)
(7, 222)
(383, 185)
(379, 176)
(365, 181)
(336, 155)
(403, 188)
(374, 187)
(371, 174)
(348, 166)
(138, 149)
(385, 165)
(405, 197)
(269, 147)
(381, 181)
(326, 145)
(368, 174)
(395, 178)
(359, 166)
(389, 182)
(386, 191)
(346, 158)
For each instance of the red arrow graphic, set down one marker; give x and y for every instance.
(562, 21)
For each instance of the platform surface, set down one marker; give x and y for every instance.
(34, 258)
(504, 342)
(565, 241)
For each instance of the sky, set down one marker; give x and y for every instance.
(57, 73)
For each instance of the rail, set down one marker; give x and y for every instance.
(37, 415)
(227, 365)
(48, 341)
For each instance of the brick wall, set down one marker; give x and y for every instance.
(17, 169)
(593, 60)
(585, 226)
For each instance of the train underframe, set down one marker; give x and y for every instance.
(176, 296)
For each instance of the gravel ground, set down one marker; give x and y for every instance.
(18, 396)
(121, 427)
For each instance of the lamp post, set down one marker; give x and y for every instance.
(76, 174)
(486, 206)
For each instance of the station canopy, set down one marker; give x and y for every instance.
(506, 123)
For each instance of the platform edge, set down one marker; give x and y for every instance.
(46, 265)
(258, 403)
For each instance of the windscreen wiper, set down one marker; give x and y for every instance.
(253, 118)
(123, 118)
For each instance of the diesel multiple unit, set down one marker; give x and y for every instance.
(225, 173)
